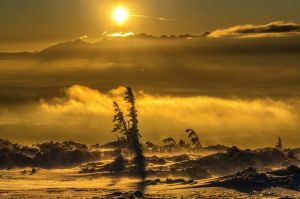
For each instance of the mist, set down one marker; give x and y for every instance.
(234, 91)
(84, 114)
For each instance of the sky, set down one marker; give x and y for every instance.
(238, 84)
(34, 24)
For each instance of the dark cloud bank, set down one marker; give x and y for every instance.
(273, 29)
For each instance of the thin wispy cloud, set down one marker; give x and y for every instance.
(273, 29)
(150, 17)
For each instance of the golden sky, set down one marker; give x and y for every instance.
(238, 84)
(34, 24)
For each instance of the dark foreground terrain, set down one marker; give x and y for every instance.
(73, 170)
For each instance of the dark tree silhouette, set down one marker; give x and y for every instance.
(118, 165)
(195, 140)
(134, 135)
(169, 143)
(122, 142)
(169, 140)
(151, 146)
(291, 154)
(119, 120)
(133, 129)
(120, 126)
(182, 143)
(279, 143)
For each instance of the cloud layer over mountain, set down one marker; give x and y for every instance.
(273, 29)
(85, 114)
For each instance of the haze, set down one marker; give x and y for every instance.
(230, 70)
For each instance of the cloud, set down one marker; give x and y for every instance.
(156, 18)
(149, 36)
(273, 29)
(215, 118)
(214, 111)
(83, 37)
(85, 115)
(120, 34)
(214, 67)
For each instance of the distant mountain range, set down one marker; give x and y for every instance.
(80, 48)
(187, 45)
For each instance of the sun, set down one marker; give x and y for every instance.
(120, 15)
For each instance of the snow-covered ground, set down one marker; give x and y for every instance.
(68, 183)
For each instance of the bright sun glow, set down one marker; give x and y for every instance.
(120, 15)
